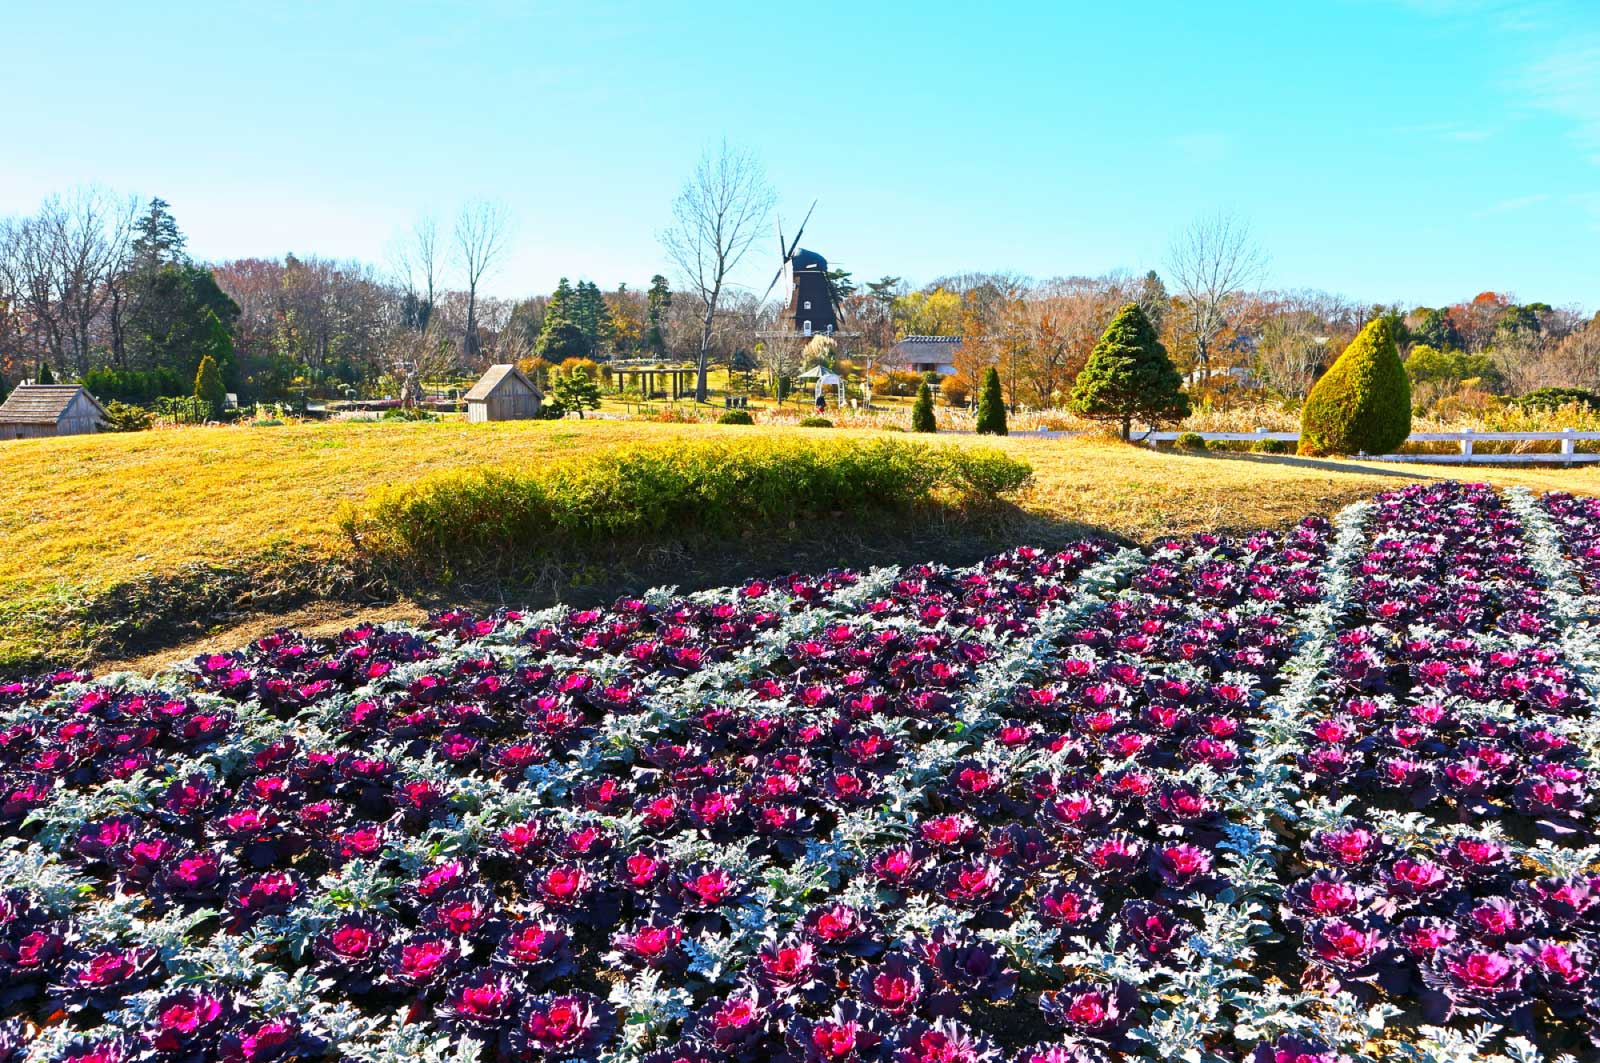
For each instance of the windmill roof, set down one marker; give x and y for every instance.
(41, 403)
(496, 376)
(804, 259)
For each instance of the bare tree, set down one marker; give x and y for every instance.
(718, 215)
(1213, 262)
(482, 232)
(61, 263)
(416, 256)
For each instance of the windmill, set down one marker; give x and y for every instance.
(812, 309)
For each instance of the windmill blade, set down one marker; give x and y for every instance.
(776, 277)
(801, 232)
(782, 254)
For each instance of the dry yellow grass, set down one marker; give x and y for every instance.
(83, 515)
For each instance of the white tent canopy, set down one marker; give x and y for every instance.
(821, 376)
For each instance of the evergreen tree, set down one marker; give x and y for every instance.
(1362, 404)
(922, 418)
(208, 386)
(559, 342)
(574, 391)
(159, 241)
(657, 301)
(991, 405)
(5, 389)
(45, 376)
(593, 317)
(1153, 299)
(1129, 375)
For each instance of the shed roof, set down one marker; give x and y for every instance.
(494, 378)
(42, 403)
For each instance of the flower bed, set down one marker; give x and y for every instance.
(1283, 797)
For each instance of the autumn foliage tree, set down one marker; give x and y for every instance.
(1128, 375)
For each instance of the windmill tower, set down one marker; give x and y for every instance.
(812, 309)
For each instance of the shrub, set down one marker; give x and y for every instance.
(991, 420)
(123, 417)
(408, 413)
(736, 417)
(1190, 441)
(696, 488)
(574, 390)
(922, 419)
(1129, 375)
(1273, 446)
(45, 376)
(815, 422)
(1362, 404)
(1555, 398)
(956, 390)
(208, 386)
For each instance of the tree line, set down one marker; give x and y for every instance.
(102, 288)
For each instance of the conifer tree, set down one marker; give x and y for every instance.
(1129, 375)
(1362, 404)
(991, 405)
(45, 376)
(922, 418)
(208, 387)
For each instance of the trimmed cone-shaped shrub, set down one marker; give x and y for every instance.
(45, 376)
(1128, 375)
(208, 387)
(991, 406)
(1362, 404)
(922, 419)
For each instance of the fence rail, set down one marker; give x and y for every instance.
(1466, 441)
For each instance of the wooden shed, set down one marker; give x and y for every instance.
(34, 410)
(504, 394)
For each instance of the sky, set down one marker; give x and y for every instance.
(1411, 151)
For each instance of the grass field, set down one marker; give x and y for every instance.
(103, 536)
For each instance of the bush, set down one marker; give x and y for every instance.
(1190, 441)
(123, 417)
(956, 390)
(694, 488)
(408, 413)
(922, 419)
(991, 420)
(1362, 404)
(736, 417)
(1555, 398)
(815, 422)
(1273, 446)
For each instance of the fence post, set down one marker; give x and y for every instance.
(1569, 445)
(1466, 444)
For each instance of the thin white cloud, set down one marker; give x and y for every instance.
(1567, 83)
(1507, 206)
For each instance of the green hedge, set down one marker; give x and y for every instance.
(693, 489)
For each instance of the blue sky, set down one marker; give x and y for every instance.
(1416, 151)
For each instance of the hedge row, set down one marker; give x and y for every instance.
(685, 490)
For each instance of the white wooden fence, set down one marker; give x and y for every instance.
(1568, 439)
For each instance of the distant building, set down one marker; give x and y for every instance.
(504, 394)
(34, 410)
(923, 354)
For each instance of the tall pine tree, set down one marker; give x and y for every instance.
(658, 301)
(1129, 375)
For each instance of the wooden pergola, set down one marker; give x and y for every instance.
(679, 381)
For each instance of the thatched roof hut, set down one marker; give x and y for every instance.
(34, 410)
